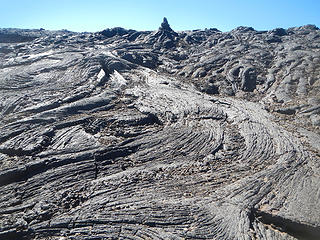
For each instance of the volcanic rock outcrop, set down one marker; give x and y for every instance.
(122, 134)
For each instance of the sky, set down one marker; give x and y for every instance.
(96, 15)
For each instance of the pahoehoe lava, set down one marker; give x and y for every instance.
(125, 134)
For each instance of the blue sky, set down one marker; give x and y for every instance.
(96, 15)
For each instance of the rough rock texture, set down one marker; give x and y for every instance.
(160, 135)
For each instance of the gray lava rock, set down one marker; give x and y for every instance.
(165, 37)
(165, 26)
(117, 31)
(124, 134)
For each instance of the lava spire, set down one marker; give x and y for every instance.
(165, 25)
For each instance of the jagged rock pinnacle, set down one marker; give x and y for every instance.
(165, 25)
